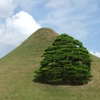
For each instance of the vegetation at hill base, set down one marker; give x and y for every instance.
(66, 61)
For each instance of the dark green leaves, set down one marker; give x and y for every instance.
(66, 61)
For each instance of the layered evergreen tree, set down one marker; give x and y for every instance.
(66, 61)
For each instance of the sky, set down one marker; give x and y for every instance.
(78, 18)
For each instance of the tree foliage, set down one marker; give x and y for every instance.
(66, 61)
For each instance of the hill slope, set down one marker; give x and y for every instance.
(17, 73)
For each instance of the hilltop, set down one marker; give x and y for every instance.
(17, 73)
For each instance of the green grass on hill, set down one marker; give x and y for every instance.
(17, 73)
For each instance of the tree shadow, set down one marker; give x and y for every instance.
(58, 84)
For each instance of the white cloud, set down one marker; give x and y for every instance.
(6, 8)
(70, 16)
(96, 53)
(56, 4)
(2, 28)
(20, 26)
(16, 29)
(76, 29)
(28, 5)
(25, 5)
(71, 4)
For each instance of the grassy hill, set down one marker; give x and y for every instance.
(17, 73)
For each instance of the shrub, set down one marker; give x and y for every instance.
(66, 61)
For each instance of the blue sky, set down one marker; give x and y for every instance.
(78, 18)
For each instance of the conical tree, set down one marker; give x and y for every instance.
(66, 61)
